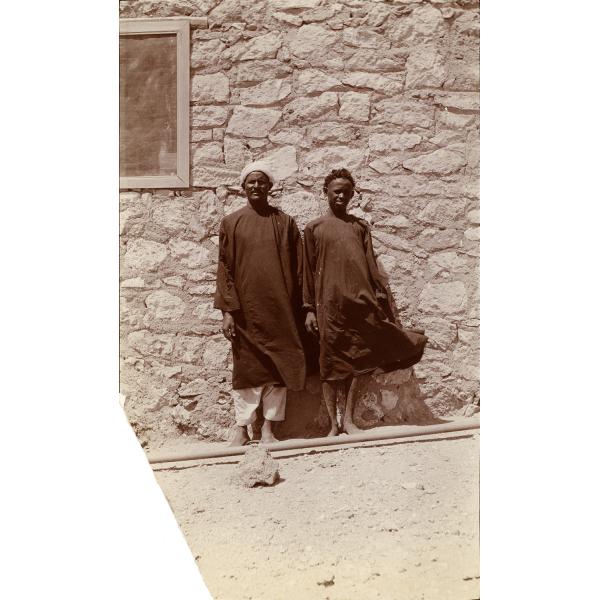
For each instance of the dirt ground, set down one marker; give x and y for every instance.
(387, 520)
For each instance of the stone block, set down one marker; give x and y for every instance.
(267, 92)
(210, 89)
(151, 344)
(201, 135)
(188, 348)
(237, 11)
(395, 222)
(257, 71)
(407, 113)
(446, 298)
(459, 100)
(175, 281)
(453, 120)
(252, 122)
(332, 131)
(388, 240)
(144, 255)
(237, 153)
(302, 109)
(206, 53)
(216, 353)
(473, 216)
(361, 37)
(467, 23)
(425, 68)
(449, 262)
(303, 206)
(354, 106)
(432, 239)
(373, 81)
(422, 24)
(439, 162)
(164, 305)
(295, 137)
(315, 80)
(321, 13)
(214, 176)
(260, 47)
(189, 254)
(209, 116)
(442, 211)
(294, 20)
(133, 283)
(208, 153)
(472, 234)
(310, 38)
(385, 164)
(172, 214)
(282, 162)
(291, 4)
(385, 142)
(320, 161)
(441, 333)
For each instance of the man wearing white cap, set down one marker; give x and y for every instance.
(259, 282)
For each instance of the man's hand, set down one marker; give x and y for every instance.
(228, 326)
(311, 323)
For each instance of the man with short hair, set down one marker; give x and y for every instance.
(348, 307)
(259, 283)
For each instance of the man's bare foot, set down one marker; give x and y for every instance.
(240, 437)
(266, 433)
(333, 431)
(350, 428)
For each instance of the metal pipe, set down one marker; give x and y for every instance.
(367, 436)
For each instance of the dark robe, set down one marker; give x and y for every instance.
(259, 281)
(357, 330)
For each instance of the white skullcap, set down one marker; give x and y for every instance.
(258, 165)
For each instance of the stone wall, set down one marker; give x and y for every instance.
(388, 89)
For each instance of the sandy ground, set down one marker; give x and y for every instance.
(387, 520)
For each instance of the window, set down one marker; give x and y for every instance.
(154, 103)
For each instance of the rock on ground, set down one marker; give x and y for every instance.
(257, 467)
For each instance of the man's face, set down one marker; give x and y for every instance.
(339, 193)
(257, 186)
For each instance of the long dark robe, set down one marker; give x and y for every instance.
(357, 330)
(259, 281)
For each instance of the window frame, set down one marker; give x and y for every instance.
(181, 28)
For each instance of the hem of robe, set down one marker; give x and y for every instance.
(272, 382)
(403, 363)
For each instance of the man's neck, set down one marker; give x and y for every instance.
(260, 206)
(338, 215)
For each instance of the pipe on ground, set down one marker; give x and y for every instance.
(367, 436)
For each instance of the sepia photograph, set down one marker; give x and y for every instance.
(249, 317)
(299, 289)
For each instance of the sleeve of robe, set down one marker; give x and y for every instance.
(308, 272)
(226, 298)
(381, 289)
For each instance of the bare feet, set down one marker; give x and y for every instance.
(333, 431)
(350, 428)
(240, 437)
(266, 433)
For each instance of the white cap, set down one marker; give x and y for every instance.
(258, 165)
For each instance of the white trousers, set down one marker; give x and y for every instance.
(246, 402)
